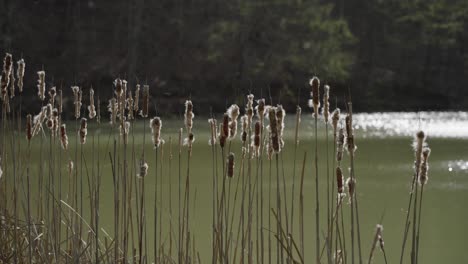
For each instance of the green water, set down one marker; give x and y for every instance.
(383, 171)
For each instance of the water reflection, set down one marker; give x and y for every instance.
(435, 124)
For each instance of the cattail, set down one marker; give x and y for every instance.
(143, 169)
(214, 132)
(91, 107)
(60, 106)
(225, 127)
(339, 145)
(280, 114)
(335, 119)
(233, 112)
(315, 84)
(351, 147)
(230, 165)
(339, 180)
(98, 117)
(424, 166)
(418, 144)
(222, 137)
(52, 94)
(124, 130)
(244, 128)
(112, 108)
(130, 103)
(188, 141)
(41, 85)
(260, 108)
(155, 125)
(4, 80)
(137, 98)
(256, 139)
(188, 116)
(77, 100)
(55, 122)
(6, 73)
(12, 81)
(145, 101)
(326, 104)
(298, 121)
(124, 87)
(249, 109)
(83, 130)
(351, 183)
(38, 120)
(7, 64)
(64, 137)
(20, 74)
(29, 127)
(118, 87)
(273, 127)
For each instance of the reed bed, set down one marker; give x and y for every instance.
(254, 218)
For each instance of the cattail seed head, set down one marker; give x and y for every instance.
(269, 146)
(249, 109)
(351, 184)
(20, 74)
(12, 81)
(145, 101)
(222, 137)
(112, 108)
(335, 119)
(38, 120)
(257, 139)
(188, 141)
(64, 137)
(7, 63)
(244, 128)
(119, 91)
(143, 169)
(339, 180)
(189, 116)
(418, 145)
(280, 114)
(124, 130)
(29, 124)
(260, 108)
(273, 128)
(230, 165)
(423, 177)
(6, 73)
(315, 103)
(130, 106)
(214, 132)
(339, 145)
(41, 85)
(155, 125)
(233, 113)
(52, 95)
(83, 130)
(77, 100)
(326, 104)
(91, 107)
(351, 146)
(137, 98)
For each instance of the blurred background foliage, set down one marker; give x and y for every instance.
(391, 55)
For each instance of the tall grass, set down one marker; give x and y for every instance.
(42, 223)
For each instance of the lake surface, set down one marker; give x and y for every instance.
(383, 170)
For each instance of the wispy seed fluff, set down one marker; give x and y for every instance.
(6, 73)
(130, 103)
(233, 112)
(124, 130)
(335, 120)
(269, 146)
(20, 74)
(256, 139)
(119, 91)
(249, 109)
(29, 125)
(280, 114)
(377, 238)
(273, 128)
(145, 101)
(260, 108)
(112, 108)
(339, 145)
(64, 137)
(326, 104)
(91, 107)
(188, 116)
(244, 128)
(52, 95)
(230, 165)
(77, 100)
(143, 169)
(351, 184)
(83, 130)
(41, 85)
(137, 98)
(54, 119)
(38, 120)
(423, 177)
(12, 81)
(214, 132)
(155, 125)
(315, 94)
(70, 168)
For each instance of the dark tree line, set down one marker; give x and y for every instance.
(391, 55)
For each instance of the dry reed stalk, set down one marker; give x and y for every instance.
(296, 142)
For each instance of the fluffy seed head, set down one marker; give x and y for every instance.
(60, 106)
(155, 125)
(244, 128)
(335, 119)
(20, 74)
(64, 137)
(143, 169)
(189, 116)
(83, 130)
(256, 139)
(137, 98)
(52, 94)
(280, 114)
(315, 84)
(70, 167)
(118, 87)
(418, 145)
(12, 81)
(77, 100)
(249, 109)
(339, 180)
(351, 184)
(423, 177)
(214, 132)
(41, 85)
(124, 130)
(130, 106)
(91, 107)
(260, 109)
(112, 108)
(273, 128)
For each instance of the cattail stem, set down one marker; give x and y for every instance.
(317, 201)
